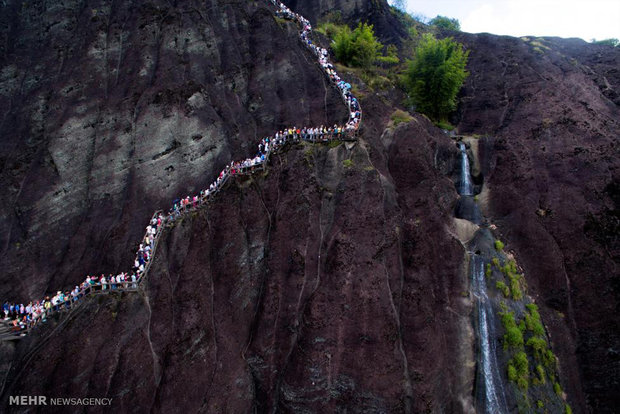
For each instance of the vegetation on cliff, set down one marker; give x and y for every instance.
(531, 364)
(436, 75)
(446, 23)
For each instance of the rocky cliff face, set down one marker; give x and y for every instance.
(110, 111)
(548, 113)
(321, 285)
(313, 288)
(276, 296)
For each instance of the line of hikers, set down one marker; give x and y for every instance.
(270, 144)
(22, 316)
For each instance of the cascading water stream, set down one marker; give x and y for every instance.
(490, 391)
(466, 188)
(489, 381)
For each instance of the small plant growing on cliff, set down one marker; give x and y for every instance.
(503, 288)
(513, 337)
(348, 163)
(523, 370)
(515, 288)
(499, 246)
(512, 372)
(541, 374)
(400, 116)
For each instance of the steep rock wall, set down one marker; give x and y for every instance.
(314, 288)
(550, 166)
(111, 110)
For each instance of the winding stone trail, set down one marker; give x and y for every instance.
(17, 328)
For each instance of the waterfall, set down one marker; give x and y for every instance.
(465, 187)
(489, 376)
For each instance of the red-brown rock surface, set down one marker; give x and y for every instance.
(320, 286)
(550, 163)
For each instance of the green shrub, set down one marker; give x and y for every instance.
(532, 308)
(510, 268)
(400, 116)
(541, 374)
(609, 42)
(444, 125)
(348, 163)
(488, 270)
(390, 57)
(503, 288)
(499, 246)
(549, 359)
(567, 409)
(539, 346)
(436, 75)
(557, 389)
(515, 288)
(540, 404)
(523, 371)
(495, 262)
(512, 372)
(513, 337)
(329, 29)
(358, 48)
(533, 322)
(446, 23)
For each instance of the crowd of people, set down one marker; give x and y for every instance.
(269, 145)
(22, 317)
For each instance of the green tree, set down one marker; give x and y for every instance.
(357, 47)
(609, 42)
(366, 47)
(446, 23)
(436, 75)
(399, 4)
(343, 45)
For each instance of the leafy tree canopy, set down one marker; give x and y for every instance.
(609, 42)
(399, 4)
(435, 76)
(359, 47)
(446, 23)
